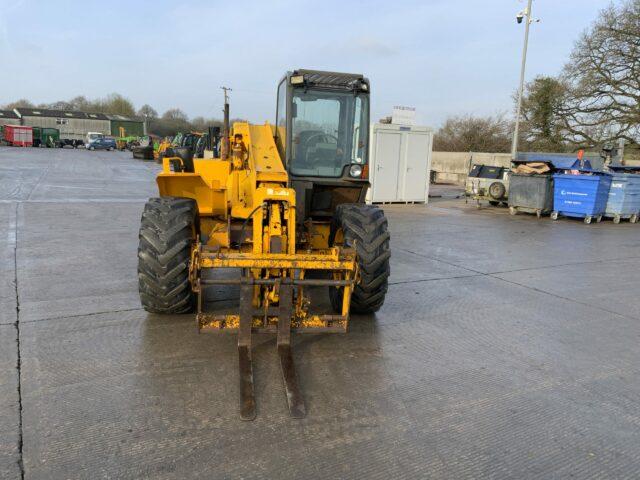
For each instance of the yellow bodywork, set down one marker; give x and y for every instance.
(162, 148)
(247, 220)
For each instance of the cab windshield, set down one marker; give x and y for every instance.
(329, 131)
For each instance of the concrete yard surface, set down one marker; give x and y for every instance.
(507, 349)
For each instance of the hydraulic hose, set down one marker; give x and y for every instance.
(244, 224)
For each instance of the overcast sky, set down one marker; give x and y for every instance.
(444, 57)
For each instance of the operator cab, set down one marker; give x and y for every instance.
(322, 134)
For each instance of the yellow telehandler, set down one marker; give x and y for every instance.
(284, 207)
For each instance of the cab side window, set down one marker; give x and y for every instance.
(281, 120)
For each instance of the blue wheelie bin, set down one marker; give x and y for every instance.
(623, 200)
(583, 196)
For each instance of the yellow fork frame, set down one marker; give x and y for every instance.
(341, 261)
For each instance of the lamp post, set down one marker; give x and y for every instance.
(526, 16)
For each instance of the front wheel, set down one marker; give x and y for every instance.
(167, 232)
(366, 228)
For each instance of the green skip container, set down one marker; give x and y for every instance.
(45, 137)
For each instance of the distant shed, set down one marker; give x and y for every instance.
(132, 126)
(72, 124)
(9, 117)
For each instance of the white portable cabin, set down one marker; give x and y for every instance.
(399, 163)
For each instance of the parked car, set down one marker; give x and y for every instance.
(489, 183)
(104, 143)
(92, 136)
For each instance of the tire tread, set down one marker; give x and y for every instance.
(164, 253)
(367, 227)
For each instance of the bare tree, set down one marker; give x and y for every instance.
(474, 134)
(23, 102)
(175, 114)
(603, 76)
(81, 103)
(60, 105)
(147, 111)
(118, 105)
(172, 121)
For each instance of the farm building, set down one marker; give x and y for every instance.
(72, 125)
(9, 117)
(132, 126)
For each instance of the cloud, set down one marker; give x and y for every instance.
(365, 45)
(373, 46)
(28, 48)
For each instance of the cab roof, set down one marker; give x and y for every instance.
(332, 79)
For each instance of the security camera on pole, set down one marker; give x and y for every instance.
(520, 17)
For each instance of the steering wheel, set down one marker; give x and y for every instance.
(307, 142)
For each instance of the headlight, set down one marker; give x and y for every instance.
(297, 79)
(355, 170)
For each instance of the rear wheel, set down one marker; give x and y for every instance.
(167, 232)
(497, 190)
(365, 227)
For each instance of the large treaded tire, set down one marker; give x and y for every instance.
(366, 227)
(167, 232)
